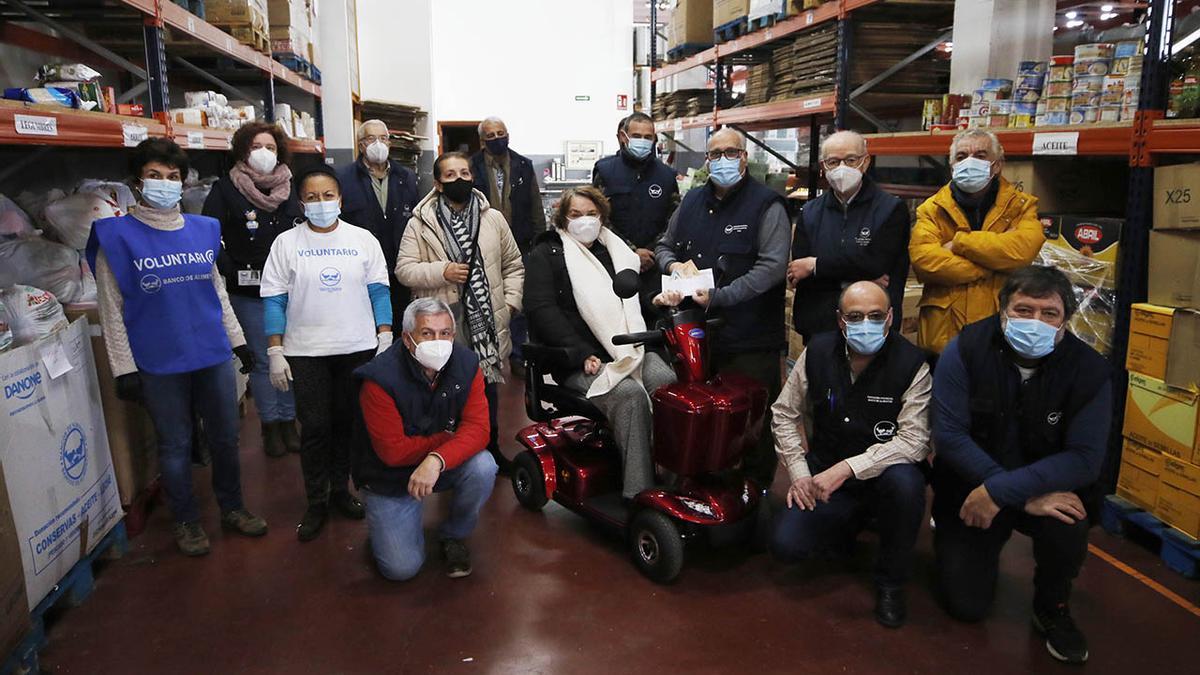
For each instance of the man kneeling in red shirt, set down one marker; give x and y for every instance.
(427, 417)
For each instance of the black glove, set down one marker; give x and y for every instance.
(129, 387)
(246, 357)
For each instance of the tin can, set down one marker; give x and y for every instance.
(1002, 107)
(1120, 66)
(1091, 67)
(1087, 99)
(1058, 88)
(1093, 85)
(1022, 95)
(1032, 67)
(1035, 82)
(1020, 121)
(1058, 104)
(1094, 50)
(1110, 113)
(1126, 48)
(1056, 118)
(1128, 112)
(998, 121)
(1085, 114)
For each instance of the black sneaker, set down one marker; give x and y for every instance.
(311, 523)
(458, 558)
(1064, 641)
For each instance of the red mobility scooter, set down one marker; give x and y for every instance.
(703, 425)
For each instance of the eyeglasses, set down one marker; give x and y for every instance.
(858, 317)
(727, 153)
(371, 139)
(834, 162)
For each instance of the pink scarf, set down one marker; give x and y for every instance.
(278, 185)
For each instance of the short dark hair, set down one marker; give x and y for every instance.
(161, 150)
(243, 138)
(635, 117)
(1039, 281)
(453, 154)
(320, 170)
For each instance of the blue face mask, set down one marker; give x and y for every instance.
(639, 148)
(322, 214)
(725, 172)
(161, 194)
(973, 174)
(1030, 338)
(866, 337)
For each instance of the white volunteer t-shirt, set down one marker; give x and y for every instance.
(325, 277)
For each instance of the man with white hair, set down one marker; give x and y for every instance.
(738, 228)
(427, 417)
(968, 238)
(378, 195)
(853, 232)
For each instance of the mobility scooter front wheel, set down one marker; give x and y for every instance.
(529, 484)
(656, 545)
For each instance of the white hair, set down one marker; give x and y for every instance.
(737, 135)
(491, 120)
(362, 128)
(425, 307)
(997, 149)
(845, 135)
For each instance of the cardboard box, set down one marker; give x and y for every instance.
(1071, 185)
(911, 317)
(131, 438)
(1183, 475)
(236, 12)
(54, 455)
(1177, 197)
(1090, 236)
(1164, 343)
(1174, 261)
(761, 8)
(288, 13)
(1141, 472)
(724, 11)
(1161, 417)
(691, 23)
(14, 609)
(1179, 509)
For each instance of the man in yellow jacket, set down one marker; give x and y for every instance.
(968, 237)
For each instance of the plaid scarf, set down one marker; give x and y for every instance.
(462, 239)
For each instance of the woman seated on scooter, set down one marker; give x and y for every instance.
(570, 303)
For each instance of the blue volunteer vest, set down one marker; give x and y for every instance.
(172, 312)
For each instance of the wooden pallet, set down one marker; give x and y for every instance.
(732, 30)
(1178, 551)
(71, 591)
(252, 36)
(683, 51)
(766, 21)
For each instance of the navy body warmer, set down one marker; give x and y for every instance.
(641, 197)
(850, 417)
(709, 228)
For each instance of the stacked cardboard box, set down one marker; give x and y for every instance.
(691, 24)
(1162, 411)
(291, 28)
(245, 20)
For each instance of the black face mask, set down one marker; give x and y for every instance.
(458, 191)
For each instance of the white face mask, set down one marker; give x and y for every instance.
(433, 354)
(584, 229)
(262, 160)
(377, 152)
(844, 179)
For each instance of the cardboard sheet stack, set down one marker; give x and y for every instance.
(402, 121)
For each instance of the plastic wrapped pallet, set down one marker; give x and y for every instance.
(1095, 290)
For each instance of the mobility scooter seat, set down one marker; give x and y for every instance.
(539, 360)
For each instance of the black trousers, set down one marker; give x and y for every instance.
(491, 391)
(968, 558)
(326, 403)
(764, 367)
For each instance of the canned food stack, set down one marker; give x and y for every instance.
(1031, 79)
(992, 104)
(1127, 62)
(1054, 108)
(1093, 62)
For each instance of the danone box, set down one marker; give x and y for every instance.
(1161, 417)
(14, 609)
(54, 455)
(1164, 343)
(1177, 197)
(1179, 496)
(1141, 471)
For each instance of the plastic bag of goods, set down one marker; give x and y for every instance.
(33, 313)
(116, 193)
(42, 263)
(69, 220)
(6, 336)
(13, 220)
(194, 195)
(1094, 284)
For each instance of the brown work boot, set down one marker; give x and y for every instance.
(190, 539)
(244, 522)
(272, 440)
(291, 437)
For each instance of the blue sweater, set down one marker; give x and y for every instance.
(1077, 467)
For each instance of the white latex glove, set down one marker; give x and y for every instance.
(385, 341)
(281, 372)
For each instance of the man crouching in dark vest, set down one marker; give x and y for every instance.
(427, 416)
(852, 428)
(1021, 412)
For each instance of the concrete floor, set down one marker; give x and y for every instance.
(552, 594)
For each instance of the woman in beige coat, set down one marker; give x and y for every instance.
(460, 250)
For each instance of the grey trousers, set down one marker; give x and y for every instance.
(627, 408)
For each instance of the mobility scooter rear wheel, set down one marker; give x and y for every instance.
(656, 545)
(529, 484)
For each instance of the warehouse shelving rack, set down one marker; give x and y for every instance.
(147, 31)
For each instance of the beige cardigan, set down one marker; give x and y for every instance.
(422, 261)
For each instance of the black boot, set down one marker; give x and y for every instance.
(291, 438)
(891, 610)
(272, 440)
(312, 522)
(347, 504)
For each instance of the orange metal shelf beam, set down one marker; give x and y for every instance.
(1114, 140)
(30, 124)
(1174, 137)
(773, 115)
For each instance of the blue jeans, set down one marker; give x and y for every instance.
(272, 405)
(394, 523)
(170, 400)
(897, 499)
